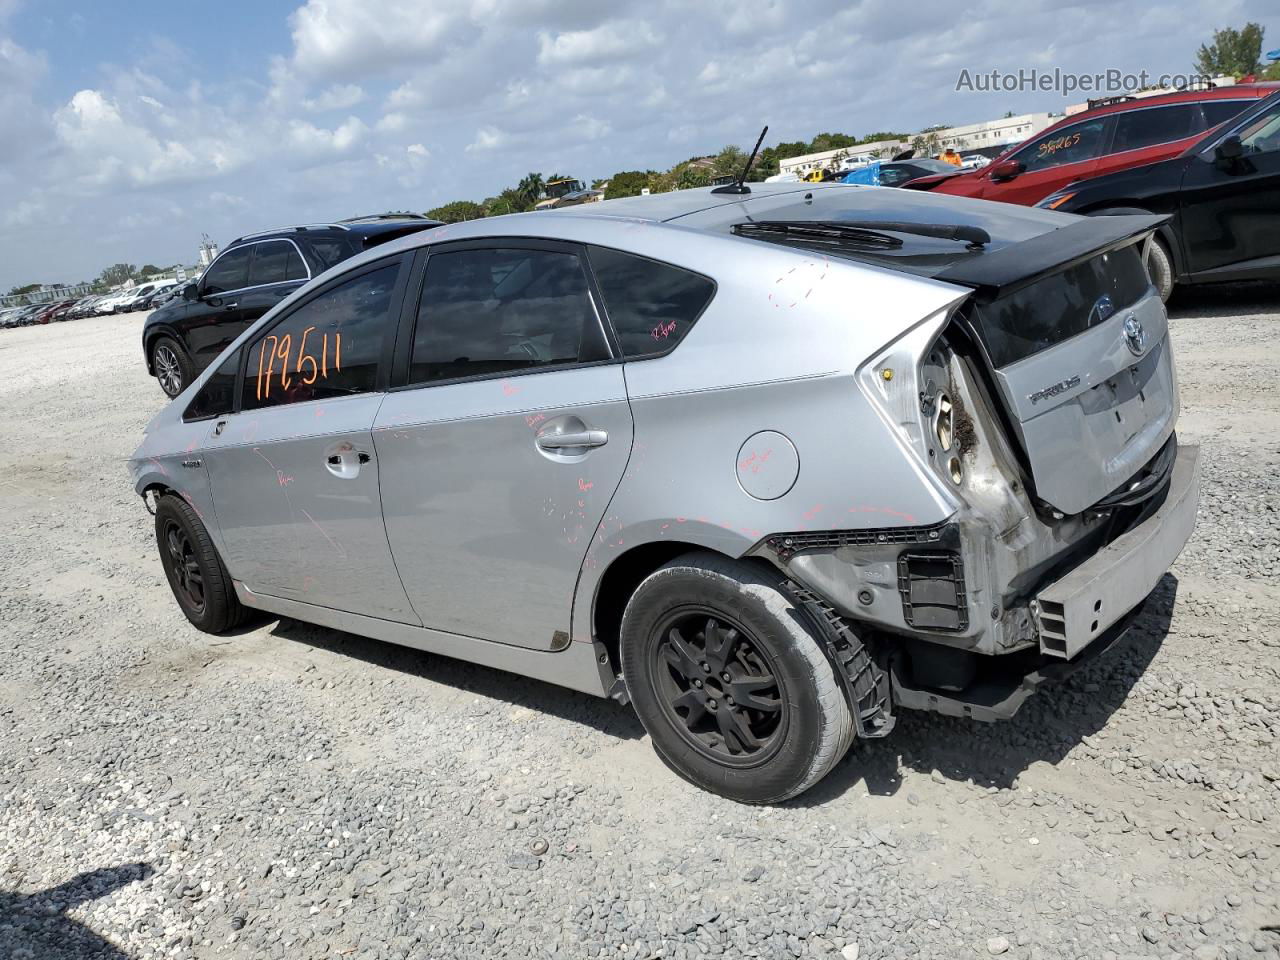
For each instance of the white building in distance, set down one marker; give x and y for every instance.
(842, 158)
(991, 133)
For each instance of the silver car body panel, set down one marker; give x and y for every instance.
(574, 667)
(295, 523)
(488, 527)
(489, 534)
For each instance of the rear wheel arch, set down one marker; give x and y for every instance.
(627, 571)
(765, 681)
(1165, 236)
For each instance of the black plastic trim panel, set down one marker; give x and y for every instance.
(787, 545)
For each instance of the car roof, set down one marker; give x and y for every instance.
(662, 207)
(361, 227)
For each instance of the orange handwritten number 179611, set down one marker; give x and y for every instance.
(280, 349)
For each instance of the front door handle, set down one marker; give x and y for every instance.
(581, 438)
(230, 306)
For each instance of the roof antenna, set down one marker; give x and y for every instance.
(739, 187)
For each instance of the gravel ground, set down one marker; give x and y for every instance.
(296, 792)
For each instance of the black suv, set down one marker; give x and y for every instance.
(251, 275)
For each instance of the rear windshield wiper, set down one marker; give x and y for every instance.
(868, 234)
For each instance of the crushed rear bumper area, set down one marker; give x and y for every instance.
(1075, 611)
(1004, 683)
(1079, 617)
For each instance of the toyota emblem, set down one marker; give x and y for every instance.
(1135, 338)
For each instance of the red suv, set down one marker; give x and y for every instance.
(1115, 136)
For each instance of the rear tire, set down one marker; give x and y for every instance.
(1160, 268)
(737, 695)
(172, 366)
(199, 581)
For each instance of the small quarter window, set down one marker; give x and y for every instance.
(329, 347)
(217, 397)
(330, 252)
(651, 305)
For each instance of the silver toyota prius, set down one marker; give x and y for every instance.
(770, 464)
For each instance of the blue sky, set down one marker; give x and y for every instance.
(129, 129)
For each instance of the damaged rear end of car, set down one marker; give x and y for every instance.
(1043, 404)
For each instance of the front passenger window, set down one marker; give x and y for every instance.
(328, 347)
(1083, 141)
(229, 272)
(485, 312)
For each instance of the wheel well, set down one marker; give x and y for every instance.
(626, 573)
(1164, 232)
(149, 341)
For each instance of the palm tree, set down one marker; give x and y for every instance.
(531, 187)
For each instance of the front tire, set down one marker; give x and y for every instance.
(199, 581)
(172, 365)
(737, 695)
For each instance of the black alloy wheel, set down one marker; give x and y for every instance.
(718, 686)
(183, 567)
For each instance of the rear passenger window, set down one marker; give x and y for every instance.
(275, 261)
(651, 305)
(1146, 128)
(328, 347)
(486, 312)
(1220, 111)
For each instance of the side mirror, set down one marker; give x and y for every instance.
(1007, 170)
(191, 292)
(1228, 152)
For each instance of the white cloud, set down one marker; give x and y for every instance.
(610, 41)
(342, 96)
(583, 127)
(104, 147)
(392, 122)
(487, 138)
(329, 122)
(312, 139)
(342, 37)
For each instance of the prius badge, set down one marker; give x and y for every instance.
(1062, 386)
(1135, 338)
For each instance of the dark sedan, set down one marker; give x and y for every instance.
(1222, 195)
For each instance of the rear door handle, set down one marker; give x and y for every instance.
(582, 438)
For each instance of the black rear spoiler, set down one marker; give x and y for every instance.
(1001, 271)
